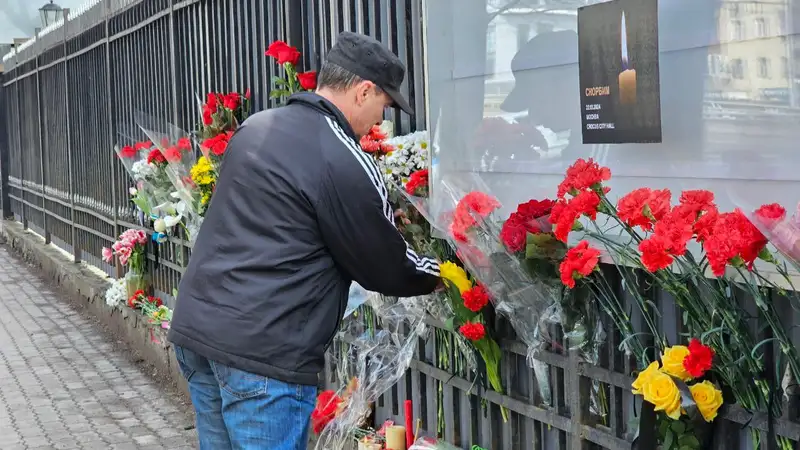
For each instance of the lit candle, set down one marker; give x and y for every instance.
(396, 438)
(627, 79)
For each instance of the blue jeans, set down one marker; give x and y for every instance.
(238, 410)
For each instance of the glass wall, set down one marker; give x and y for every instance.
(505, 99)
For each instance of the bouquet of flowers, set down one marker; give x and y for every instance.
(129, 248)
(408, 154)
(147, 167)
(681, 398)
(287, 57)
(653, 236)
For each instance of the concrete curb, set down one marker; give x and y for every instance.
(89, 287)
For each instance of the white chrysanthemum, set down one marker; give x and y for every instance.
(116, 293)
(410, 154)
(142, 170)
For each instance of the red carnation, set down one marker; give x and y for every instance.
(325, 411)
(473, 331)
(655, 254)
(128, 152)
(475, 298)
(184, 143)
(583, 175)
(579, 262)
(644, 206)
(156, 157)
(173, 154)
(308, 80)
(514, 234)
(733, 238)
(145, 145)
(475, 202)
(770, 215)
(535, 209)
(156, 301)
(247, 94)
(219, 143)
(699, 360)
(283, 52)
(417, 180)
(231, 101)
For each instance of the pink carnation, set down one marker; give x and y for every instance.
(108, 254)
(124, 253)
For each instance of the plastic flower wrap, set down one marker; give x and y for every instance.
(648, 238)
(369, 360)
(146, 166)
(186, 205)
(427, 443)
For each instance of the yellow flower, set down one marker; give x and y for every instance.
(644, 377)
(708, 399)
(661, 391)
(202, 172)
(672, 359)
(205, 199)
(455, 275)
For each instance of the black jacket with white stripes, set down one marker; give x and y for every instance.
(299, 212)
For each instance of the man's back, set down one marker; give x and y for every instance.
(261, 289)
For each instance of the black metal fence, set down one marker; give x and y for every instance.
(67, 96)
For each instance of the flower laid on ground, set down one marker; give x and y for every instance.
(117, 292)
(288, 57)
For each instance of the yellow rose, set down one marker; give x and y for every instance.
(708, 399)
(672, 359)
(644, 377)
(661, 391)
(455, 275)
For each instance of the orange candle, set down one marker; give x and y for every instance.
(627, 87)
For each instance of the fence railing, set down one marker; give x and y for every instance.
(69, 94)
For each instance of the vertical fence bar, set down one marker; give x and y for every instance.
(42, 131)
(5, 149)
(76, 248)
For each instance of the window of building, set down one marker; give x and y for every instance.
(763, 67)
(762, 29)
(737, 69)
(737, 30)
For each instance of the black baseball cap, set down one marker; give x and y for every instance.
(372, 61)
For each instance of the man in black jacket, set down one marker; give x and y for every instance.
(299, 212)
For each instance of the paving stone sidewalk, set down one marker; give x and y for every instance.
(63, 386)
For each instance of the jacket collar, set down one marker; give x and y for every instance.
(323, 106)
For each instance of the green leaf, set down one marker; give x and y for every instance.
(276, 94)
(663, 428)
(279, 81)
(678, 427)
(689, 441)
(669, 438)
(449, 324)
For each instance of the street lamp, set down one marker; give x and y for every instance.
(49, 13)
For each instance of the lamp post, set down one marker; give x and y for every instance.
(49, 13)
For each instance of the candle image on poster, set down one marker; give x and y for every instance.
(619, 78)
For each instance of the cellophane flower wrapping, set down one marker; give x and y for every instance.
(147, 168)
(524, 281)
(427, 443)
(371, 352)
(187, 196)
